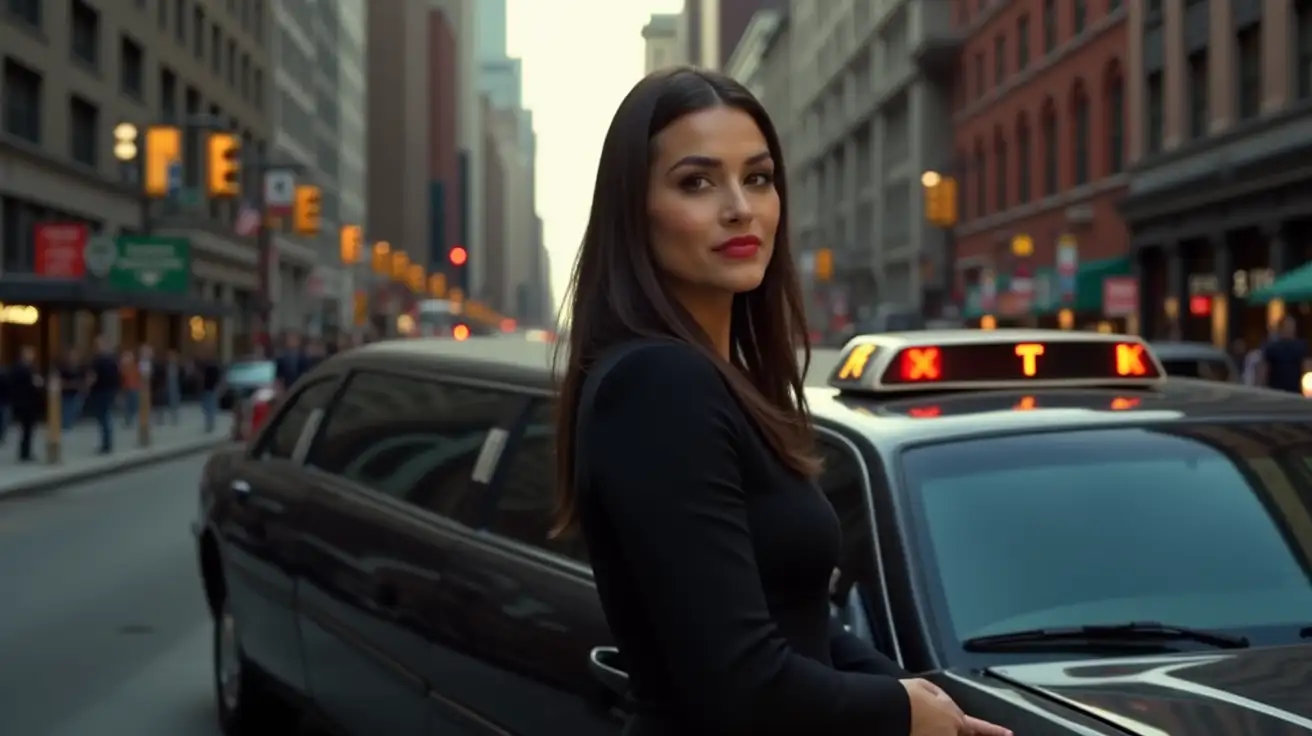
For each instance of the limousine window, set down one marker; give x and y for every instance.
(414, 439)
(524, 484)
(287, 426)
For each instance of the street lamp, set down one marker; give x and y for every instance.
(125, 142)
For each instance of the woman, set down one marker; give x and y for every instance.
(685, 450)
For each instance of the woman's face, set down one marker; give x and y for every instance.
(712, 204)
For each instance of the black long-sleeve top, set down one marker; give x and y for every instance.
(713, 559)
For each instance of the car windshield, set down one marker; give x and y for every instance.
(1207, 526)
(1213, 369)
(252, 373)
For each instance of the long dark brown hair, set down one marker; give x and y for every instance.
(615, 294)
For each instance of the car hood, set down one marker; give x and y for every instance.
(1253, 692)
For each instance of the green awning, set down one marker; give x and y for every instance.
(1295, 286)
(1088, 281)
(971, 309)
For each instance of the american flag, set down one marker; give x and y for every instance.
(248, 220)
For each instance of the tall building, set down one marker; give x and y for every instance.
(1219, 138)
(710, 29)
(398, 134)
(664, 45)
(72, 72)
(1040, 150)
(870, 121)
(318, 113)
(446, 198)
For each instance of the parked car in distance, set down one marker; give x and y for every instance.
(1196, 360)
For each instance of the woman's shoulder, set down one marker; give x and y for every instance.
(655, 367)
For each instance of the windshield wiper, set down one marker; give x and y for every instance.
(1101, 635)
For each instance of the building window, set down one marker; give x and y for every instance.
(980, 85)
(1049, 26)
(1198, 107)
(25, 11)
(162, 15)
(1116, 125)
(1080, 133)
(84, 132)
(131, 68)
(999, 60)
(1023, 162)
(198, 32)
(1079, 16)
(1000, 173)
(981, 182)
(84, 27)
(1022, 42)
(1051, 150)
(168, 95)
(22, 102)
(1156, 117)
(216, 49)
(1250, 72)
(1113, 6)
(180, 20)
(1303, 56)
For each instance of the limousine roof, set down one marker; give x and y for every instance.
(505, 359)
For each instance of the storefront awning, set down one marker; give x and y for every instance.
(75, 294)
(1295, 286)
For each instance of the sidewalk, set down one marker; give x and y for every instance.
(80, 459)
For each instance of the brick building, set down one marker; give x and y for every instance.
(1040, 137)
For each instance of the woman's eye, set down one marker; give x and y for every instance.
(763, 179)
(695, 183)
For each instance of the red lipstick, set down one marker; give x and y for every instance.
(742, 246)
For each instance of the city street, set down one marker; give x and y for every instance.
(103, 627)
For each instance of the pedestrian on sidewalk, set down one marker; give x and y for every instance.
(105, 382)
(130, 372)
(72, 388)
(169, 384)
(27, 399)
(211, 381)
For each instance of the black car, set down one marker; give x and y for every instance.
(1043, 523)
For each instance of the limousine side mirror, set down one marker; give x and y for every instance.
(605, 665)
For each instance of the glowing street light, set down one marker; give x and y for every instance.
(125, 142)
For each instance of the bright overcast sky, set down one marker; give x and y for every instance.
(580, 59)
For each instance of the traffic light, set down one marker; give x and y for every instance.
(940, 199)
(307, 214)
(224, 165)
(459, 258)
(824, 264)
(414, 277)
(163, 150)
(352, 244)
(400, 262)
(437, 285)
(382, 258)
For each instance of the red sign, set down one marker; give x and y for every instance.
(1120, 296)
(59, 249)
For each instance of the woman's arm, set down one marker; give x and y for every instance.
(661, 446)
(851, 653)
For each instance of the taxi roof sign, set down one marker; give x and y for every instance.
(940, 360)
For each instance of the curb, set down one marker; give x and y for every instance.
(60, 478)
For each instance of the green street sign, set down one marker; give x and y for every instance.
(143, 263)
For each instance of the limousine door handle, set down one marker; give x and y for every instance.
(604, 665)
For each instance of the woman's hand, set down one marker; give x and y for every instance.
(933, 713)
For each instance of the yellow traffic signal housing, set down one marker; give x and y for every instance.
(381, 259)
(941, 202)
(400, 262)
(352, 244)
(224, 165)
(824, 264)
(307, 214)
(437, 285)
(163, 149)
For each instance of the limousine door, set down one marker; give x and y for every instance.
(533, 599)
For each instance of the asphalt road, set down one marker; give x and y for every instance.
(103, 627)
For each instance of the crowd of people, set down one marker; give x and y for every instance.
(106, 387)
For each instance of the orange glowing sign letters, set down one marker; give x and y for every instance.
(854, 365)
(1029, 353)
(921, 364)
(1129, 360)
